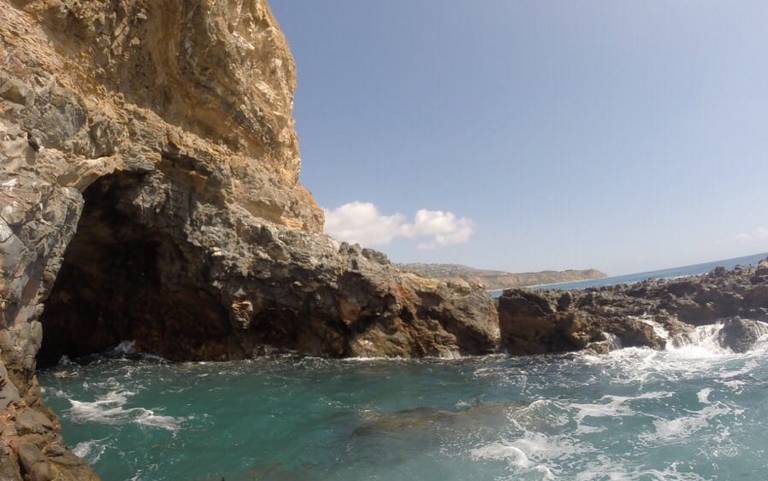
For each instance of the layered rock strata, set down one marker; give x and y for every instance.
(534, 322)
(149, 191)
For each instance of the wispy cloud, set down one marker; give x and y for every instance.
(362, 222)
(759, 233)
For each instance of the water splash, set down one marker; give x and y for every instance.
(110, 409)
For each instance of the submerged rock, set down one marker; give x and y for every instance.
(429, 420)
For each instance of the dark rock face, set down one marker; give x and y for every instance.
(740, 335)
(531, 324)
(544, 322)
(555, 321)
(146, 266)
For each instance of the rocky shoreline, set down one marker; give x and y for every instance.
(536, 322)
(149, 191)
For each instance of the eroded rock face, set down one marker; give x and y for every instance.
(149, 191)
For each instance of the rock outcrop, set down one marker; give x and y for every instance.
(149, 190)
(535, 322)
(740, 335)
(548, 322)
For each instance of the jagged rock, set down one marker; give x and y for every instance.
(634, 333)
(149, 191)
(549, 322)
(531, 324)
(740, 335)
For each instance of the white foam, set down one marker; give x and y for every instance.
(90, 451)
(658, 329)
(527, 456)
(703, 395)
(125, 347)
(147, 417)
(685, 426)
(607, 470)
(614, 406)
(501, 452)
(702, 342)
(541, 447)
(110, 409)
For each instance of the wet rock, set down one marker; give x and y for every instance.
(740, 335)
(635, 333)
(426, 419)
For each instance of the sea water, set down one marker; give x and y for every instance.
(675, 272)
(693, 412)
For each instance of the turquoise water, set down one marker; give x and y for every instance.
(691, 413)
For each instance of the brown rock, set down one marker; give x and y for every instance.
(32, 421)
(34, 463)
(530, 324)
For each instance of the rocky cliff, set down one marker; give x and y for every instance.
(149, 190)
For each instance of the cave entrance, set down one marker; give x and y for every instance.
(125, 278)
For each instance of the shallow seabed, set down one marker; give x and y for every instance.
(692, 413)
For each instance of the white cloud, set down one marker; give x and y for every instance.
(759, 233)
(444, 228)
(362, 222)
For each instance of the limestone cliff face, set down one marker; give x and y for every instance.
(149, 191)
(116, 86)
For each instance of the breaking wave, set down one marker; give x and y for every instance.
(110, 409)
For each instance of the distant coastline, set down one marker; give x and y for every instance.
(674, 272)
(494, 280)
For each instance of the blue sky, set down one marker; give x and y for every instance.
(529, 135)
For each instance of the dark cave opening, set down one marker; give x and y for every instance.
(125, 279)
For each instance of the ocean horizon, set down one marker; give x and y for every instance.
(670, 273)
